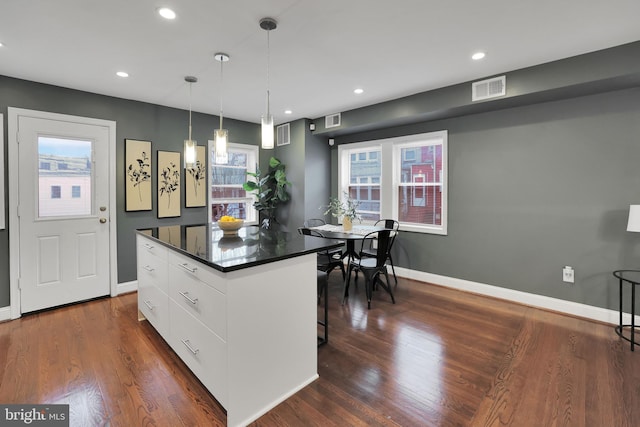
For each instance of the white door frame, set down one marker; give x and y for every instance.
(14, 229)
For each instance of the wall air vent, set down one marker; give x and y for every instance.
(490, 88)
(283, 134)
(332, 121)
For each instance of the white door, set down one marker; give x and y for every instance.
(63, 209)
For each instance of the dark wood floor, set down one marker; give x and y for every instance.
(437, 357)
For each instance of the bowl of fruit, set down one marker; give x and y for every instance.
(230, 225)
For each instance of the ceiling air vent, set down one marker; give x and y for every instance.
(332, 121)
(283, 134)
(490, 88)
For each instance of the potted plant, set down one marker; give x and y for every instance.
(270, 190)
(348, 210)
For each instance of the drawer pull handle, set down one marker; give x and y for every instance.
(148, 268)
(188, 345)
(186, 267)
(148, 246)
(186, 296)
(148, 304)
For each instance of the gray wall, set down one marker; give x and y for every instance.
(165, 127)
(532, 189)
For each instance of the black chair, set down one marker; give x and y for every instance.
(323, 283)
(370, 251)
(317, 222)
(314, 222)
(327, 260)
(371, 267)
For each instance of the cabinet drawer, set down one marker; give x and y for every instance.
(154, 305)
(152, 271)
(149, 246)
(205, 303)
(201, 350)
(203, 272)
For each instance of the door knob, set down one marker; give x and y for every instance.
(103, 220)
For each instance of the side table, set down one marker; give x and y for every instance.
(631, 277)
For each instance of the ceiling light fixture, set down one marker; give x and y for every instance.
(358, 91)
(122, 74)
(288, 112)
(189, 144)
(267, 24)
(167, 13)
(220, 136)
(478, 55)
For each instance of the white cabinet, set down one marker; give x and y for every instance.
(153, 301)
(249, 335)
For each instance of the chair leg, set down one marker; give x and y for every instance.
(393, 269)
(368, 287)
(386, 286)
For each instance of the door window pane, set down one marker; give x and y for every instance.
(64, 177)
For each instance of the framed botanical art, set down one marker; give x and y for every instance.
(195, 180)
(138, 175)
(168, 184)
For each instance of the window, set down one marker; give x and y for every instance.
(227, 197)
(55, 192)
(75, 191)
(403, 178)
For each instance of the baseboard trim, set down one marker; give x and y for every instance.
(5, 313)
(525, 298)
(126, 287)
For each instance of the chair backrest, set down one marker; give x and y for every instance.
(391, 224)
(314, 222)
(383, 238)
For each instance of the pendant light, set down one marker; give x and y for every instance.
(267, 24)
(220, 135)
(189, 144)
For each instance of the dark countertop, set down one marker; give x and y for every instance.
(252, 246)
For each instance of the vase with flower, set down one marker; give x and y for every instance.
(347, 208)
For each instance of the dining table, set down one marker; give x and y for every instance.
(356, 233)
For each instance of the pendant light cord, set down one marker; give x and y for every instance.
(190, 110)
(268, 64)
(221, 85)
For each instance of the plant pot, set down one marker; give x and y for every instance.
(347, 225)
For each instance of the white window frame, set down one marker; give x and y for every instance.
(390, 176)
(252, 160)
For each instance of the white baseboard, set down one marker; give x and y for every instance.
(5, 313)
(540, 301)
(126, 287)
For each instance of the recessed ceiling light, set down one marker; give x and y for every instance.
(478, 55)
(122, 74)
(1, 44)
(288, 112)
(358, 91)
(167, 13)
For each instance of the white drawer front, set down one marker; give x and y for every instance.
(154, 304)
(205, 303)
(151, 247)
(203, 272)
(152, 271)
(201, 350)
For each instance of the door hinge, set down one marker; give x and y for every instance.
(18, 137)
(18, 211)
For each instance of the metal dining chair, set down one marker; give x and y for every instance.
(371, 267)
(370, 251)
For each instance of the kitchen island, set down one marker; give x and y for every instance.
(240, 311)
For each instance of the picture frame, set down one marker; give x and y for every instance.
(169, 168)
(195, 180)
(138, 166)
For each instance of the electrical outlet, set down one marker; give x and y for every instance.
(568, 274)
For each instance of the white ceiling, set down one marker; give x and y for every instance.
(321, 51)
